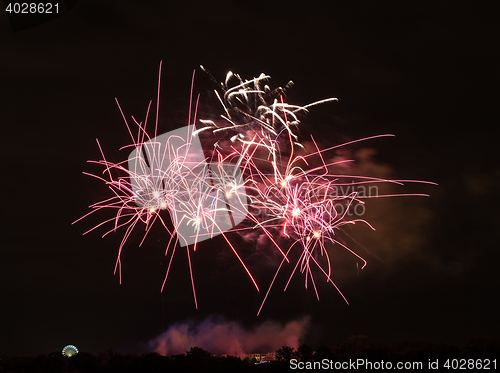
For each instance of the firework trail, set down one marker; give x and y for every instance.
(170, 172)
(263, 163)
(252, 110)
(301, 207)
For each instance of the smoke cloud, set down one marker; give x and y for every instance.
(219, 336)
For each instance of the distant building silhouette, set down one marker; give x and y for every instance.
(270, 356)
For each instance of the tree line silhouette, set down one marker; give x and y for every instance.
(200, 360)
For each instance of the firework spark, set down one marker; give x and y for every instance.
(170, 172)
(264, 165)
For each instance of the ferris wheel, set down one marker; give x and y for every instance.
(69, 350)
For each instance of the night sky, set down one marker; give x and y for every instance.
(424, 71)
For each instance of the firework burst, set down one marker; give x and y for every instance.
(264, 165)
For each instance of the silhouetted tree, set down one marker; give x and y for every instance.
(85, 362)
(322, 352)
(56, 362)
(285, 353)
(305, 352)
(480, 348)
(360, 346)
(198, 353)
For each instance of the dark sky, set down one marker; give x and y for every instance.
(424, 71)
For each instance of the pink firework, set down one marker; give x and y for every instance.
(302, 206)
(258, 158)
(168, 172)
